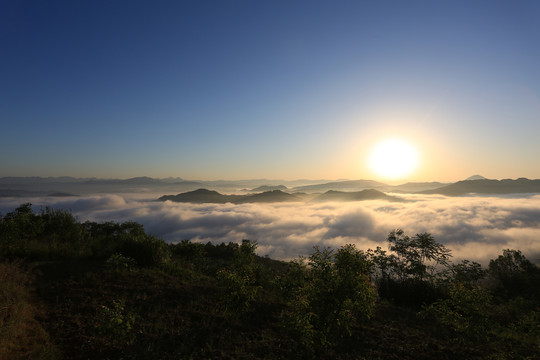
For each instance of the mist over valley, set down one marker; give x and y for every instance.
(287, 219)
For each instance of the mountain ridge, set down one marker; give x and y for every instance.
(212, 196)
(487, 186)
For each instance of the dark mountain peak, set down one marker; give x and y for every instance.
(268, 196)
(476, 177)
(346, 185)
(202, 191)
(140, 180)
(200, 196)
(264, 188)
(367, 194)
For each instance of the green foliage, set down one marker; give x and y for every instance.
(115, 323)
(189, 251)
(240, 279)
(516, 275)
(417, 257)
(240, 288)
(50, 234)
(469, 273)
(335, 296)
(119, 262)
(56, 234)
(145, 250)
(410, 273)
(466, 312)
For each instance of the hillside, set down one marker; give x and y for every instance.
(268, 197)
(412, 187)
(264, 188)
(211, 196)
(485, 186)
(201, 196)
(72, 290)
(275, 196)
(370, 194)
(346, 185)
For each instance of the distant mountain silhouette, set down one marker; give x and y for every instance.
(210, 196)
(18, 193)
(264, 188)
(476, 177)
(412, 187)
(33, 180)
(343, 186)
(485, 186)
(201, 196)
(370, 194)
(268, 196)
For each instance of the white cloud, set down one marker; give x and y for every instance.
(476, 228)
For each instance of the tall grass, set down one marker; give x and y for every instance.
(21, 336)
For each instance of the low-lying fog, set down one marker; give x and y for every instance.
(475, 228)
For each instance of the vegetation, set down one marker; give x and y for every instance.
(73, 290)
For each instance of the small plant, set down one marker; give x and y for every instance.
(116, 323)
(119, 262)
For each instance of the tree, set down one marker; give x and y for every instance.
(516, 275)
(417, 257)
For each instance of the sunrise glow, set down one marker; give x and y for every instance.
(393, 159)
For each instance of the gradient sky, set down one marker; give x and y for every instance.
(268, 89)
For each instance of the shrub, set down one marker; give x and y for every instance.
(115, 323)
(119, 262)
(466, 312)
(240, 279)
(336, 295)
(145, 250)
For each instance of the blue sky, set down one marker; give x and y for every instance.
(273, 89)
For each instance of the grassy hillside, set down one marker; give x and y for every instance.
(72, 290)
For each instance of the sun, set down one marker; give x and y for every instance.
(393, 159)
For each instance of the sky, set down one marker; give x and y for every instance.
(268, 89)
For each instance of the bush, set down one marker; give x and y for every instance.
(115, 323)
(240, 279)
(466, 312)
(335, 296)
(119, 262)
(145, 250)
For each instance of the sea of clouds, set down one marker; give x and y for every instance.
(475, 228)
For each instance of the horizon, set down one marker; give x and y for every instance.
(271, 181)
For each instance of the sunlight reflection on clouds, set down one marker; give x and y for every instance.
(476, 228)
